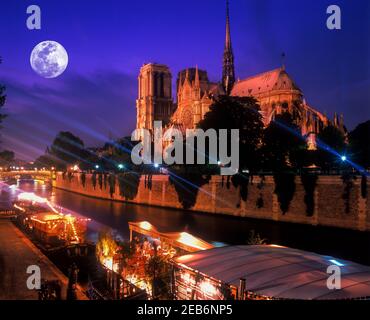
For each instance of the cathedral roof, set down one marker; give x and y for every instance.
(277, 79)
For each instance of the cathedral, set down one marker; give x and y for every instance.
(275, 91)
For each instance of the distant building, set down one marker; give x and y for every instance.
(275, 91)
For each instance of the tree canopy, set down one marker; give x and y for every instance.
(6, 158)
(283, 145)
(68, 149)
(2, 101)
(359, 144)
(331, 143)
(238, 113)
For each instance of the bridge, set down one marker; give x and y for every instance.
(27, 175)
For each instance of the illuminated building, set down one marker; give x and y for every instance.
(275, 91)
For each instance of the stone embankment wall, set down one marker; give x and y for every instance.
(326, 200)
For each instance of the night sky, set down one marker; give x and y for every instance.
(108, 41)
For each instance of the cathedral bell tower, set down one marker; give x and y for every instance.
(154, 102)
(228, 70)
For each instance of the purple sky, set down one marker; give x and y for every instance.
(108, 41)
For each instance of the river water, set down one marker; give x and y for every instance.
(218, 229)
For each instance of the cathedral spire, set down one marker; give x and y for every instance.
(228, 71)
(228, 37)
(196, 81)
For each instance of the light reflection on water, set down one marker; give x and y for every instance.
(219, 229)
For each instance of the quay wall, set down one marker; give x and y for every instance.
(333, 201)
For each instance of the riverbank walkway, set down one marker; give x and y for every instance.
(17, 252)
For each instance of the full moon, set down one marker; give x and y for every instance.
(49, 59)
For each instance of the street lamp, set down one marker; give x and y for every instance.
(156, 165)
(343, 158)
(97, 166)
(120, 166)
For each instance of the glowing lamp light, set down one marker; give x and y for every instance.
(156, 165)
(108, 263)
(208, 288)
(336, 262)
(97, 166)
(145, 225)
(343, 158)
(121, 166)
(28, 196)
(276, 246)
(219, 163)
(190, 240)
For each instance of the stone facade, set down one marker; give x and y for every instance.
(154, 100)
(275, 91)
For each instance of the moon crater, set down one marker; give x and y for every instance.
(49, 59)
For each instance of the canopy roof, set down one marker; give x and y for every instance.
(182, 240)
(47, 217)
(280, 272)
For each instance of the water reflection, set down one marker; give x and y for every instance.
(345, 244)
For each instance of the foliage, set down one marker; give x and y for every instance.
(284, 189)
(128, 183)
(93, 180)
(359, 144)
(364, 186)
(347, 179)
(187, 187)
(238, 113)
(100, 181)
(115, 153)
(70, 176)
(241, 181)
(260, 186)
(158, 273)
(6, 158)
(255, 239)
(309, 182)
(83, 179)
(260, 202)
(330, 139)
(105, 180)
(68, 148)
(283, 145)
(112, 184)
(47, 161)
(2, 100)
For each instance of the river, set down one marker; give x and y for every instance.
(218, 229)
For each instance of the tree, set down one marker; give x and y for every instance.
(238, 113)
(359, 144)
(6, 158)
(331, 143)
(2, 100)
(283, 150)
(47, 160)
(68, 148)
(283, 145)
(117, 153)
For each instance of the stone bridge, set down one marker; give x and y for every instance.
(27, 174)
